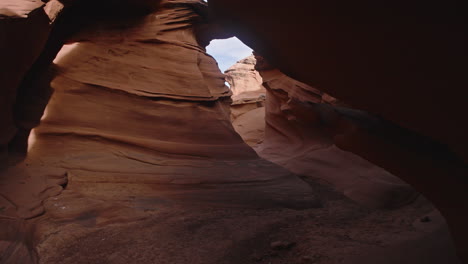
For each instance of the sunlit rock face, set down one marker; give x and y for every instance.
(245, 82)
(248, 95)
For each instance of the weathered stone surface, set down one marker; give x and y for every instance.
(119, 174)
(112, 119)
(251, 125)
(109, 131)
(248, 95)
(244, 80)
(11, 9)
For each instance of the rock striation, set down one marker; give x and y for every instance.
(137, 108)
(96, 127)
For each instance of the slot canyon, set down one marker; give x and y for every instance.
(340, 139)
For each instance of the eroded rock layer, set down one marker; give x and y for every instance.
(139, 109)
(159, 118)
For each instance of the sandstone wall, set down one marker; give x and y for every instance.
(135, 159)
(138, 102)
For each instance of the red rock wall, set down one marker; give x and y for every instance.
(137, 133)
(139, 102)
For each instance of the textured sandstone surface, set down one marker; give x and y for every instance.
(245, 82)
(251, 125)
(19, 8)
(140, 110)
(135, 160)
(136, 125)
(248, 95)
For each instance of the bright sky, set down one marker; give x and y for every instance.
(228, 51)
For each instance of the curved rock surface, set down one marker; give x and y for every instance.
(139, 109)
(96, 125)
(135, 160)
